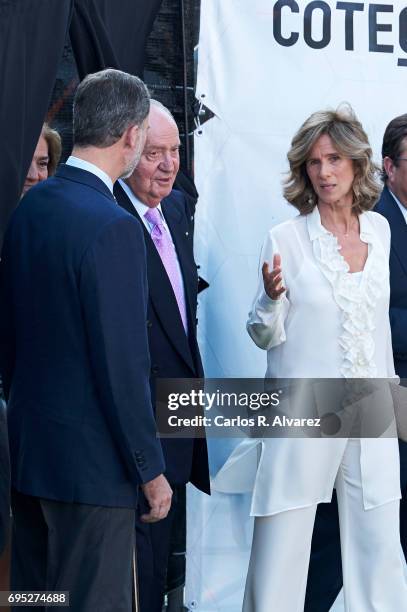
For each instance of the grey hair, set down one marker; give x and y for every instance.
(106, 104)
(163, 108)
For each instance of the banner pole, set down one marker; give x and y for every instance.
(185, 88)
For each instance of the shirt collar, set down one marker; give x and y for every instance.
(140, 207)
(316, 229)
(400, 205)
(89, 167)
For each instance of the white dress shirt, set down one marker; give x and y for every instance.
(85, 165)
(142, 208)
(328, 324)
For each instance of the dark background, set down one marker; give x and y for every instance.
(164, 72)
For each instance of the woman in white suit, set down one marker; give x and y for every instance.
(321, 310)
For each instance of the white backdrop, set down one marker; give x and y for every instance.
(261, 88)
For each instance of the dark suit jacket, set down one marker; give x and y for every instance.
(74, 359)
(173, 353)
(398, 279)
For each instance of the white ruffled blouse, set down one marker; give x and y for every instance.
(329, 324)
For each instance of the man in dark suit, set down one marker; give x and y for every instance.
(325, 572)
(75, 362)
(164, 217)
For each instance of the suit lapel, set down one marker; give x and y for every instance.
(160, 290)
(388, 206)
(124, 201)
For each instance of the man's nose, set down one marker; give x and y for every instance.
(167, 162)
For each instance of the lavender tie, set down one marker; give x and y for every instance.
(165, 248)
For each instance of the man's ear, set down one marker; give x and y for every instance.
(131, 136)
(388, 165)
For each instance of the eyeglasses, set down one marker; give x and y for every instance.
(401, 158)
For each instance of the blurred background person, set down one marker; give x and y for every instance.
(45, 159)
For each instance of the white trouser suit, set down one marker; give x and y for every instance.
(372, 559)
(328, 324)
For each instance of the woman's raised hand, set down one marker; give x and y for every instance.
(273, 280)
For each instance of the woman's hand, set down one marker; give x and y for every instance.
(272, 280)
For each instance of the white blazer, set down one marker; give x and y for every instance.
(328, 324)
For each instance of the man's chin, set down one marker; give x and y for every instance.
(128, 171)
(160, 195)
(126, 174)
(163, 190)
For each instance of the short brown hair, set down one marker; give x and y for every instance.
(106, 104)
(393, 138)
(350, 139)
(54, 147)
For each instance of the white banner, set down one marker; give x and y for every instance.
(264, 67)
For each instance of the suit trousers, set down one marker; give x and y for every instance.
(86, 550)
(374, 569)
(325, 568)
(153, 550)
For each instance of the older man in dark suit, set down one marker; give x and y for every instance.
(163, 214)
(325, 573)
(75, 362)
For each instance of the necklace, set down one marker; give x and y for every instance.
(352, 222)
(338, 233)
